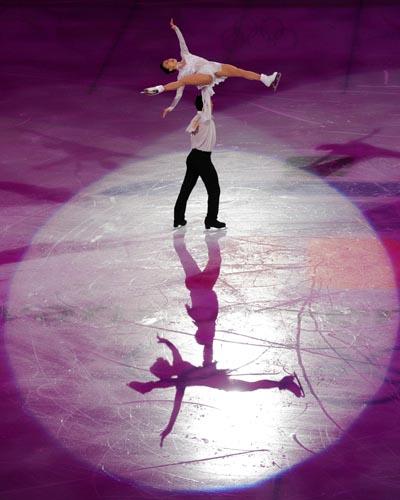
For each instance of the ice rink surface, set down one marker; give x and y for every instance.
(96, 286)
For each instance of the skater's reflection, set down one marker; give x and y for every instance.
(204, 308)
(182, 374)
(203, 311)
(358, 149)
(341, 155)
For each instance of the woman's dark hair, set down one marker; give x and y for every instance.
(166, 70)
(198, 102)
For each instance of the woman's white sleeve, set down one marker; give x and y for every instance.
(177, 97)
(182, 43)
(206, 94)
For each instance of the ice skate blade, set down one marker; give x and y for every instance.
(216, 228)
(275, 83)
(299, 384)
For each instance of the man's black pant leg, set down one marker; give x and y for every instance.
(188, 184)
(209, 176)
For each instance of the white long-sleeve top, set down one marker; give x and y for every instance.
(202, 131)
(194, 64)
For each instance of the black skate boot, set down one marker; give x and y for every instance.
(180, 223)
(214, 223)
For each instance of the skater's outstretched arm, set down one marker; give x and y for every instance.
(175, 412)
(174, 103)
(197, 79)
(182, 44)
(176, 357)
(184, 51)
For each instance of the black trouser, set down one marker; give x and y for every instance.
(199, 164)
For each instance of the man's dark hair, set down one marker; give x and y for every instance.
(199, 103)
(166, 70)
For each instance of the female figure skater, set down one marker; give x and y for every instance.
(182, 374)
(195, 70)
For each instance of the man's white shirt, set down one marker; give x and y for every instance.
(202, 131)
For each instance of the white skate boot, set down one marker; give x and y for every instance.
(271, 80)
(153, 90)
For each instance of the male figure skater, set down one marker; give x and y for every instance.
(199, 164)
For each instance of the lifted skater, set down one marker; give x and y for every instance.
(199, 164)
(182, 374)
(195, 70)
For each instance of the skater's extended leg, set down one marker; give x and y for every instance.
(288, 383)
(243, 385)
(228, 70)
(144, 387)
(232, 71)
(198, 79)
(231, 384)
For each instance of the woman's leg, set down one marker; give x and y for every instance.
(242, 385)
(198, 79)
(144, 387)
(225, 383)
(228, 70)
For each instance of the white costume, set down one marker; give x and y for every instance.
(202, 130)
(195, 64)
(198, 65)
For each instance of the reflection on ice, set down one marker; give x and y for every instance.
(100, 282)
(204, 311)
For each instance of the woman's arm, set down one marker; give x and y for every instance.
(175, 411)
(176, 357)
(174, 103)
(182, 44)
